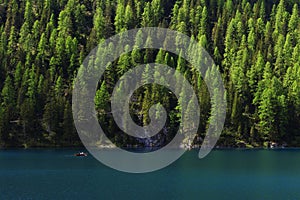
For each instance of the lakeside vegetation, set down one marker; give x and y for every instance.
(256, 45)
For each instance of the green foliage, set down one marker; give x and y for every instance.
(256, 46)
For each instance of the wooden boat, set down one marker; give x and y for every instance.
(81, 154)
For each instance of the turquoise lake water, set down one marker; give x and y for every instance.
(224, 174)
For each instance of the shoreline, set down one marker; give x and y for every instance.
(148, 148)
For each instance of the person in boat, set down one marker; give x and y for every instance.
(81, 154)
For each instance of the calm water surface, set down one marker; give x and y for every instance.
(224, 174)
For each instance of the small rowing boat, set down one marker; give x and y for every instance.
(81, 154)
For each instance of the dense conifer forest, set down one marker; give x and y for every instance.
(255, 44)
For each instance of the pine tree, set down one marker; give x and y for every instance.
(11, 48)
(7, 110)
(119, 19)
(97, 32)
(28, 14)
(147, 20)
(294, 24)
(157, 11)
(255, 73)
(102, 100)
(68, 125)
(280, 20)
(204, 22)
(129, 18)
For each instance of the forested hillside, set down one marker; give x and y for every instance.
(256, 45)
